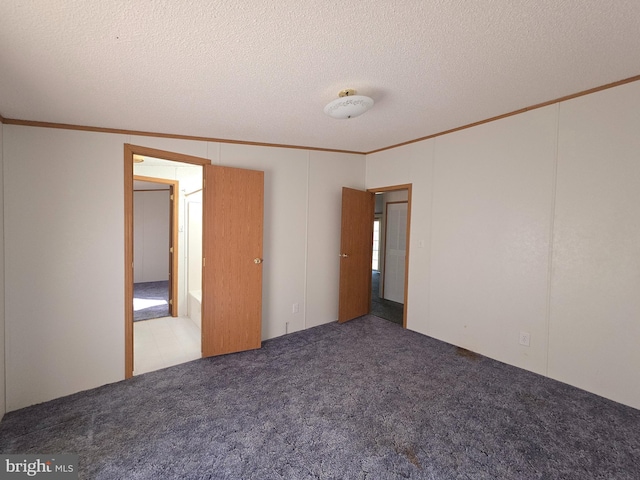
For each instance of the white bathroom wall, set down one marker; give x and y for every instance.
(531, 224)
(151, 235)
(64, 214)
(193, 229)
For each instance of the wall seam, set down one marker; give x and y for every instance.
(551, 238)
(432, 183)
(306, 244)
(431, 186)
(4, 280)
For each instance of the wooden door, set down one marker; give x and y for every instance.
(232, 226)
(356, 250)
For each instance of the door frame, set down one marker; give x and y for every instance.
(174, 188)
(393, 188)
(129, 151)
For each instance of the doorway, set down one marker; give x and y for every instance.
(166, 331)
(389, 255)
(356, 251)
(232, 230)
(156, 255)
(158, 343)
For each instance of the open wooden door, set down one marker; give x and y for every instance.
(232, 226)
(356, 250)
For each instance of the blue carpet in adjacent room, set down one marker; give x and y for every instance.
(150, 300)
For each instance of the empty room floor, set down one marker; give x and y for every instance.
(164, 342)
(366, 399)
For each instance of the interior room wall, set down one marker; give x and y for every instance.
(328, 173)
(530, 224)
(64, 262)
(2, 326)
(595, 284)
(492, 205)
(151, 235)
(413, 164)
(64, 204)
(285, 220)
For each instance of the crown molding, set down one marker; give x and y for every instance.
(66, 126)
(32, 123)
(515, 112)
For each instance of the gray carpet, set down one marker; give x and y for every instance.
(362, 400)
(152, 291)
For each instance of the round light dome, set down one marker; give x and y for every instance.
(348, 105)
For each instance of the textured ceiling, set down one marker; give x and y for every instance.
(262, 71)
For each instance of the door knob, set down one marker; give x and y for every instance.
(257, 261)
(343, 255)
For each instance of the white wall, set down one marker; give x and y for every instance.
(64, 205)
(193, 230)
(594, 336)
(413, 164)
(531, 223)
(151, 235)
(2, 344)
(64, 262)
(328, 173)
(492, 202)
(285, 219)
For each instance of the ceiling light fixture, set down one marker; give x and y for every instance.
(137, 158)
(348, 105)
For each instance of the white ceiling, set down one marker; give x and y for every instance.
(262, 71)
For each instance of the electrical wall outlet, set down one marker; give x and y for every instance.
(525, 339)
(295, 308)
